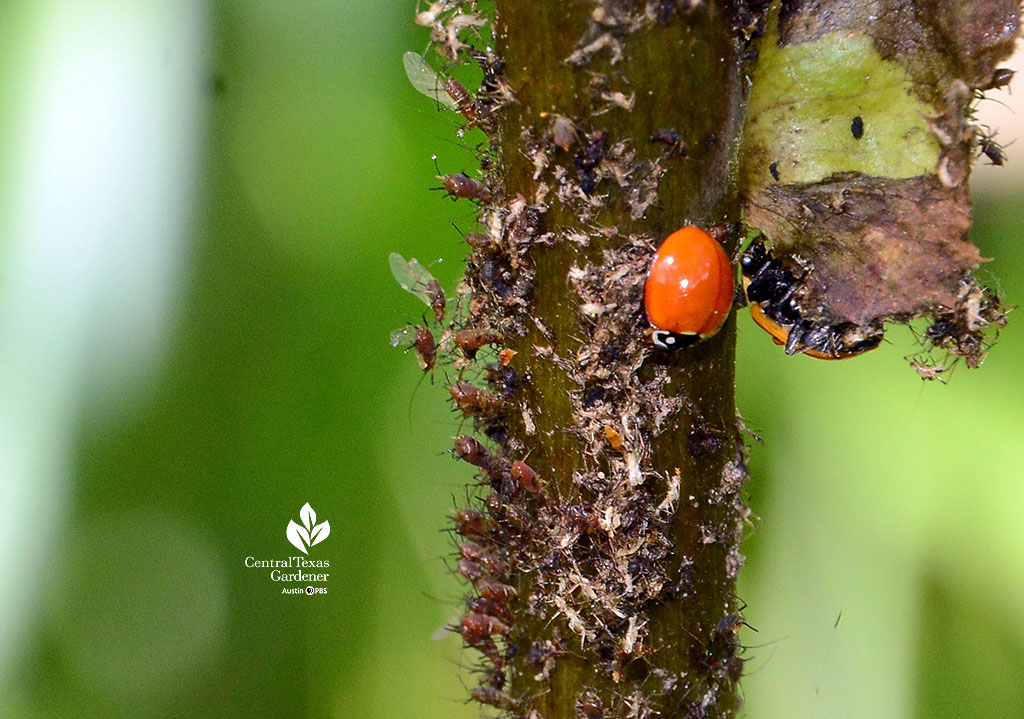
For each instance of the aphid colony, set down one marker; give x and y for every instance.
(444, 340)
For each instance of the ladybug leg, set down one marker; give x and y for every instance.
(794, 342)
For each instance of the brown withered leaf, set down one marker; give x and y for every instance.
(875, 247)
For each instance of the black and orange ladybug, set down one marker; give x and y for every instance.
(689, 290)
(774, 306)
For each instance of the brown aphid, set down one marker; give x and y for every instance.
(589, 706)
(472, 524)
(465, 105)
(471, 340)
(493, 697)
(472, 571)
(458, 93)
(496, 567)
(541, 651)
(582, 518)
(491, 564)
(425, 348)
(486, 646)
(1001, 77)
(497, 592)
(421, 341)
(465, 187)
(482, 625)
(479, 605)
(994, 152)
(437, 299)
(733, 667)
(494, 504)
(471, 551)
(524, 475)
(725, 639)
(478, 240)
(672, 139)
(472, 451)
(475, 402)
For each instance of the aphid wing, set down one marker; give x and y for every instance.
(411, 275)
(425, 80)
(403, 335)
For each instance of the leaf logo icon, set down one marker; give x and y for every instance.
(305, 535)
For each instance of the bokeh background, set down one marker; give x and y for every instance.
(198, 200)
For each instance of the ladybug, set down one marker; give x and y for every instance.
(689, 289)
(772, 292)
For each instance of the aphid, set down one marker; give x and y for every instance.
(496, 679)
(449, 93)
(471, 551)
(470, 450)
(857, 127)
(493, 697)
(486, 646)
(733, 668)
(689, 289)
(524, 475)
(590, 706)
(672, 139)
(416, 279)
(472, 524)
(465, 187)
(470, 570)
(479, 605)
(485, 559)
(774, 170)
(728, 627)
(992, 151)
(419, 339)
(583, 519)
(588, 158)
(593, 396)
(771, 290)
(465, 104)
(497, 592)
(1001, 77)
(471, 340)
(458, 93)
(475, 402)
(502, 378)
(494, 504)
(478, 240)
(482, 625)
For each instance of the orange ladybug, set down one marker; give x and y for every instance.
(689, 290)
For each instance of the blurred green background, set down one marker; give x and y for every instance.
(198, 203)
